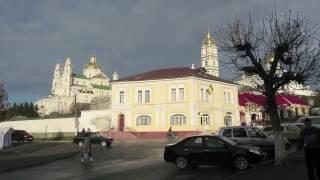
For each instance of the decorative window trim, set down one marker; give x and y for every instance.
(178, 119)
(143, 120)
(228, 118)
(207, 120)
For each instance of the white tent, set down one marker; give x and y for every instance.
(5, 137)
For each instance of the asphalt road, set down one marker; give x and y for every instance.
(142, 160)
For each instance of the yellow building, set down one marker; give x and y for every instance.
(186, 99)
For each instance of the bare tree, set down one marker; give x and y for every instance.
(280, 50)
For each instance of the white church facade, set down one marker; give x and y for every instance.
(68, 87)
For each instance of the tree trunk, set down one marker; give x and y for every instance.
(279, 145)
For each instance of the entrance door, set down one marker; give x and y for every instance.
(121, 122)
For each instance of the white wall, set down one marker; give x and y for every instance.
(43, 125)
(96, 120)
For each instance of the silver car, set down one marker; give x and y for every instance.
(315, 121)
(290, 131)
(251, 136)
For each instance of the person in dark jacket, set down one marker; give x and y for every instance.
(86, 149)
(310, 142)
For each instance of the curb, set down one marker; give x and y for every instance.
(59, 157)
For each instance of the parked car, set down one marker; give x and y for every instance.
(251, 136)
(315, 121)
(290, 131)
(211, 150)
(21, 136)
(95, 138)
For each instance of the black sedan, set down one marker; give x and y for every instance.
(95, 138)
(212, 150)
(21, 136)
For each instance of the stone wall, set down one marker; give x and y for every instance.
(43, 125)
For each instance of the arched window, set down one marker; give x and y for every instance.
(205, 120)
(143, 120)
(178, 120)
(228, 120)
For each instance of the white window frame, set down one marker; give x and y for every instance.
(147, 98)
(143, 120)
(121, 98)
(178, 120)
(181, 94)
(228, 120)
(173, 96)
(205, 120)
(139, 96)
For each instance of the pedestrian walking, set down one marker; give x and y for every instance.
(310, 142)
(83, 132)
(86, 149)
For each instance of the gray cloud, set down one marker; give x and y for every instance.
(128, 36)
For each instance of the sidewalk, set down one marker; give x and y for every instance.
(295, 170)
(36, 153)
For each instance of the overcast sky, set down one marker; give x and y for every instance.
(129, 36)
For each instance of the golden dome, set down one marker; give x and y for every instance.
(93, 63)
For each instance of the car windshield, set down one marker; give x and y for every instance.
(227, 140)
(300, 120)
(255, 133)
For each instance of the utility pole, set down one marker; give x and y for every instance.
(75, 113)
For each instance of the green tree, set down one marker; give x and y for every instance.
(14, 109)
(19, 110)
(35, 111)
(25, 109)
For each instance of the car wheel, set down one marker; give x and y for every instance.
(80, 143)
(181, 162)
(103, 143)
(240, 163)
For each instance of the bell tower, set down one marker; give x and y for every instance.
(209, 56)
(67, 77)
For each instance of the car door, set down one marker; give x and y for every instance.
(193, 149)
(94, 139)
(291, 132)
(257, 138)
(315, 122)
(216, 151)
(239, 135)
